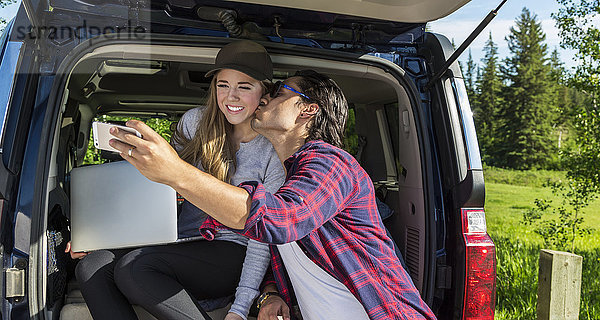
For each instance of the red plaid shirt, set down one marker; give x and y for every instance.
(327, 204)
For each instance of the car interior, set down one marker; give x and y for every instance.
(160, 81)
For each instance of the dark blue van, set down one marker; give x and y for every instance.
(65, 63)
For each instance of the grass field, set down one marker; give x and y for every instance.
(508, 195)
(505, 204)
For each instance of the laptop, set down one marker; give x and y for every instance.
(114, 206)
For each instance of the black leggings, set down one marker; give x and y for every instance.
(164, 280)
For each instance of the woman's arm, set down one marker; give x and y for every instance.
(258, 254)
(255, 265)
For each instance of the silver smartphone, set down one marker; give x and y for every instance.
(102, 135)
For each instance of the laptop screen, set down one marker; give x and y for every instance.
(114, 206)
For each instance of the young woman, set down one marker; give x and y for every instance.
(178, 281)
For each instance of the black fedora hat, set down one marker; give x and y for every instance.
(245, 56)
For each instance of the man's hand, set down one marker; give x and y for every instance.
(273, 307)
(74, 255)
(233, 316)
(152, 155)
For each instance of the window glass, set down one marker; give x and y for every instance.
(467, 122)
(8, 64)
(392, 113)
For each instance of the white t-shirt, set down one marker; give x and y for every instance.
(319, 295)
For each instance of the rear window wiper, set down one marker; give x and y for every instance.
(464, 45)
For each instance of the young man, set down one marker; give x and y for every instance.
(328, 238)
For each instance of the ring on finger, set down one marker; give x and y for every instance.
(129, 152)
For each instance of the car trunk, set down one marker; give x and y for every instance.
(152, 66)
(129, 77)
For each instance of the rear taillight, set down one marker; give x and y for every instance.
(480, 282)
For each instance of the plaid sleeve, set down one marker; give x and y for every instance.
(209, 228)
(317, 187)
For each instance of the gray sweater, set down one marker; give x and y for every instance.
(256, 161)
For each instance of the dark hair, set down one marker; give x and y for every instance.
(330, 121)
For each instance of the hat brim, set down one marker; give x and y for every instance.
(248, 71)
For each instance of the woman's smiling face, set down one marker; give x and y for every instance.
(238, 95)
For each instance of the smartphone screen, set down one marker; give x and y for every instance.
(102, 135)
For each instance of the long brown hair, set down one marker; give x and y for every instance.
(210, 145)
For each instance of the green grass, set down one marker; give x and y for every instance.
(506, 203)
(516, 282)
(508, 195)
(529, 178)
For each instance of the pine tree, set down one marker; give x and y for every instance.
(580, 31)
(561, 99)
(488, 100)
(569, 103)
(526, 139)
(469, 76)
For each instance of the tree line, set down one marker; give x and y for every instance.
(532, 113)
(524, 110)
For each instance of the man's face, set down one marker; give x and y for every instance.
(280, 115)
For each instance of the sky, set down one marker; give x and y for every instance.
(458, 25)
(10, 11)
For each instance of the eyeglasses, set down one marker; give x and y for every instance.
(279, 84)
